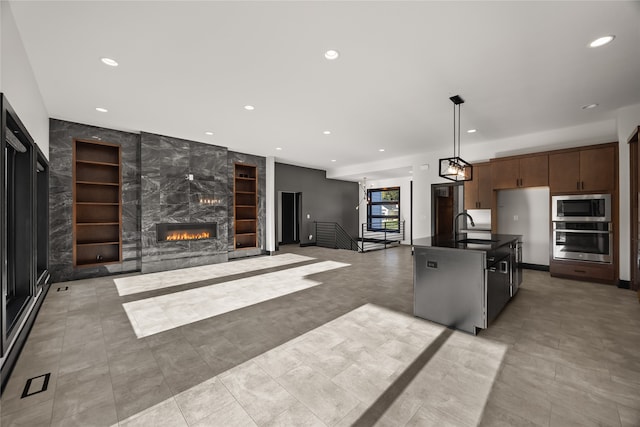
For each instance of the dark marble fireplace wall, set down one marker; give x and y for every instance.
(61, 135)
(261, 163)
(167, 196)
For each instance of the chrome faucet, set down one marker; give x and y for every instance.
(455, 223)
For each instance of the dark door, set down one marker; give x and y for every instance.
(444, 211)
(446, 202)
(290, 220)
(634, 163)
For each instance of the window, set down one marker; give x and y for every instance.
(383, 209)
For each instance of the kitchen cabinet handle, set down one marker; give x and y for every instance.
(583, 185)
(580, 271)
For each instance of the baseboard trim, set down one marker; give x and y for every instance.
(624, 284)
(537, 267)
(303, 245)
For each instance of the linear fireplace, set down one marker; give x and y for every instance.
(171, 232)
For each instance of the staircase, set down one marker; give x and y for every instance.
(332, 235)
(380, 238)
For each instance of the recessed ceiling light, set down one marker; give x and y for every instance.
(410, 171)
(381, 150)
(588, 107)
(334, 160)
(602, 41)
(249, 107)
(472, 131)
(331, 54)
(279, 148)
(327, 132)
(110, 62)
(102, 110)
(208, 133)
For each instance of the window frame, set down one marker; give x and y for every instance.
(370, 204)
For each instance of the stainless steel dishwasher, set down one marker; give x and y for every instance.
(449, 287)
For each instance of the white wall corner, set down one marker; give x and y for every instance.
(19, 82)
(270, 214)
(627, 120)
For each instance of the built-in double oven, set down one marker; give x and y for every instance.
(582, 227)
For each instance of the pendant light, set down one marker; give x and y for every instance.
(455, 168)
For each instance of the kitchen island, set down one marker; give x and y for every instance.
(465, 282)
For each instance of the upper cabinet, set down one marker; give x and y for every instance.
(477, 192)
(585, 170)
(520, 172)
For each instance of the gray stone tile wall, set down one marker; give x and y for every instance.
(168, 196)
(154, 190)
(61, 136)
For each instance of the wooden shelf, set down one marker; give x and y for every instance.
(88, 162)
(97, 243)
(245, 201)
(97, 205)
(115, 184)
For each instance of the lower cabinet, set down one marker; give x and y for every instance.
(592, 272)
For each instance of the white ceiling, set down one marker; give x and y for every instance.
(190, 67)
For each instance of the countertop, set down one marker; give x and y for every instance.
(446, 241)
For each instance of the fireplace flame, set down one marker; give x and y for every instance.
(181, 235)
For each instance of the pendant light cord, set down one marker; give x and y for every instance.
(458, 130)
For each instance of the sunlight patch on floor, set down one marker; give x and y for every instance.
(157, 314)
(166, 279)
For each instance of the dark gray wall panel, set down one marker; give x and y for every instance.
(324, 199)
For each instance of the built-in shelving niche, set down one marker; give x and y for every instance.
(245, 196)
(24, 234)
(97, 209)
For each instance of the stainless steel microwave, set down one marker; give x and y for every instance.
(581, 207)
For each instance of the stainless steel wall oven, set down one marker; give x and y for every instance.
(582, 228)
(584, 241)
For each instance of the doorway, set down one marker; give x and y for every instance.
(446, 203)
(290, 217)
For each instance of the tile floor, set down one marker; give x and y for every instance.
(340, 350)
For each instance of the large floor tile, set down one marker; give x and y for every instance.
(335, 351)
(327, 400)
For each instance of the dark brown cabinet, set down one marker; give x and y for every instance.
(245, 201)
(478, 191)
(521, 172)
(97, 208)
(585, 170)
